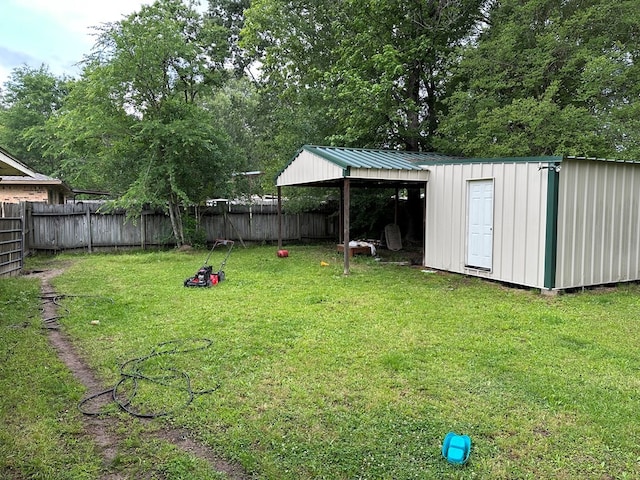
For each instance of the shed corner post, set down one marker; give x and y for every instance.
(424, 226)
(551, 236)
(345, 218)
(279, 217)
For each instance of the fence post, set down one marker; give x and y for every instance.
(88, 223)
(143, 231)
(23, 216)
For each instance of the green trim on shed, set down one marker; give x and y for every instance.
(462, 161)
(551, 236)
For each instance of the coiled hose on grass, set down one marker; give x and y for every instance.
(140, 373)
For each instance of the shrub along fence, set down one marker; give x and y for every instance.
(87, 226)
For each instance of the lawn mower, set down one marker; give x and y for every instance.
(205, 276)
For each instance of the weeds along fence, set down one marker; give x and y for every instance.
(89, 227)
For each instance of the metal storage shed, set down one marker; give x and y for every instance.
(550, 222)
(347, 167)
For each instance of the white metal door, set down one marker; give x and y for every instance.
(480, 228)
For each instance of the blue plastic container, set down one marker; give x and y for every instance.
(456, 448)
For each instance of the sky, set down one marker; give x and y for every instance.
(57, 33)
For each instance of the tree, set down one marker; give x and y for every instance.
(30, 97)
(139, 114)
(366, 73)
(376, 68)
(548, 77)
(230, 14)
(393, 64)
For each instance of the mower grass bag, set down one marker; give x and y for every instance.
(205, 276)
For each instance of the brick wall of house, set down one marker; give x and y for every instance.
(23, 193)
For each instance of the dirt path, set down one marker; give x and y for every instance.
(101, 428)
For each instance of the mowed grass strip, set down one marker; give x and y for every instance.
(41, 433)
(321, 375)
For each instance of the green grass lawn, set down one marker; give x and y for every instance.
(320, 375)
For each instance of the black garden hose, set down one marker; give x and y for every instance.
(132, 377)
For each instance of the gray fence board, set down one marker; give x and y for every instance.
(85, 226)
(12, 244)
(29, 227)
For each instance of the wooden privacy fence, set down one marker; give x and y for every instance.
(11, 240)
(85, 226)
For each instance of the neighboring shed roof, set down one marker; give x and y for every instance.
(314, 165)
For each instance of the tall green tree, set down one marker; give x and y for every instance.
(376, 69)
(28, 99)
(139, 115)
(230, 14)
(545, 77)
(373, 73)
(389, 79)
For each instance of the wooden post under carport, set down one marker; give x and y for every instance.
(344, 197)
(345, 218)
(395, 206)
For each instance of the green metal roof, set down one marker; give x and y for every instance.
(383, 159)
(357, 162)
(403, 160)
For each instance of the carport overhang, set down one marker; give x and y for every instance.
(346, 168)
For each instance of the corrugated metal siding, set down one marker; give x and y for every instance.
(519, 220)
(598, 223)
(389, 175)
(314, 164)
(308, 167)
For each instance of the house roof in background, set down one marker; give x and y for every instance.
(35, 179)
(14, 172)
(9, 165)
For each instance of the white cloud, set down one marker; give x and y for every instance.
(78, 15)
(56, 33)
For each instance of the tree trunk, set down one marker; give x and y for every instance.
(176, 222)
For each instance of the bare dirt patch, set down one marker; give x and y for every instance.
(101, 428)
